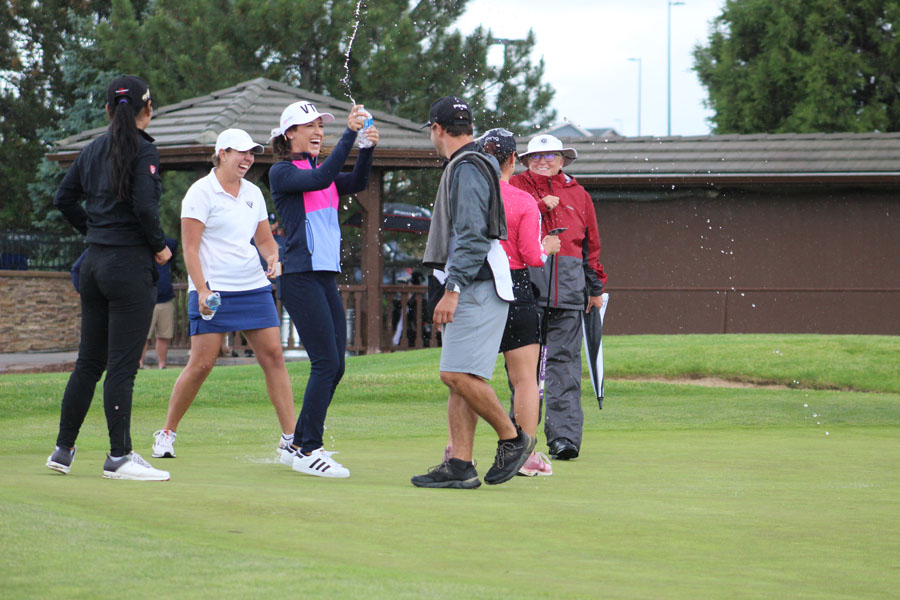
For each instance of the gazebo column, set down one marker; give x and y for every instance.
(372, 260)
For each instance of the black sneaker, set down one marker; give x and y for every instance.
(453, 473)
(61, 460)
(510, 458)
(563, 449)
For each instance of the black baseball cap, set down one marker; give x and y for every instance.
(128, 89)
(498, 142)
(449, 110)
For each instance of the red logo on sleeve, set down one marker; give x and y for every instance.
(153, 169)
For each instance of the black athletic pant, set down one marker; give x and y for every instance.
(314, 303)
(118, 293)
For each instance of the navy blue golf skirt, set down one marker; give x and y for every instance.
(239, 311)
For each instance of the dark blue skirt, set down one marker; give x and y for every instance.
(239, 311)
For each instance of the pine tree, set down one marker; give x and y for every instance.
(402, 57)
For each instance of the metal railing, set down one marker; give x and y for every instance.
(39, 251)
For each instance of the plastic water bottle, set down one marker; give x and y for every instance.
(213, 301)
(361, 140)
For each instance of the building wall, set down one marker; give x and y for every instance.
(38, 311)
(752, 261)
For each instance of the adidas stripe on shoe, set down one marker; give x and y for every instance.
(286, 456)
(284, 443)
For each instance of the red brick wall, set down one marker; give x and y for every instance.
(38, 311)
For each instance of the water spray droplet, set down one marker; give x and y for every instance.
(346, 79)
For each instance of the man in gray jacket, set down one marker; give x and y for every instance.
(463, 243)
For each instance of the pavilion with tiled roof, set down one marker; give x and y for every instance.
(718, 233)
(186, 132)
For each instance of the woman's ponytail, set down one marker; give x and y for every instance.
(126, 98)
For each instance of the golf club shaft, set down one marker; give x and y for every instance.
(542, 373)
(544, 324)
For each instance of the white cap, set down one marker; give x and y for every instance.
(549, 143)
(300, 113)
(237, 139)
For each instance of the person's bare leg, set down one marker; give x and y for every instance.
(521, 364)
(204, 350)
(143, 354)
(482, 399)
(266, 344)
(162, 352)
(462, 421)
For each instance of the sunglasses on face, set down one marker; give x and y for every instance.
(548, 156)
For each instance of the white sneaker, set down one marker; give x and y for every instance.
(287, 456)
(320, 464)
(284, 444)
(132, 466)
(164, 444)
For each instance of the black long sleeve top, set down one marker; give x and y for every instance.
(104, 219)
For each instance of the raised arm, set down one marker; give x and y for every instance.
(288, 180)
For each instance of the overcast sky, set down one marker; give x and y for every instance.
(586, 45)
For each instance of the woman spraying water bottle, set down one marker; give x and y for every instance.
(306, 194)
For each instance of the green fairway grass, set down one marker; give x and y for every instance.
(681, 491)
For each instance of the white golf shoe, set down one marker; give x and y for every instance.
(61, 460)
(132, 466)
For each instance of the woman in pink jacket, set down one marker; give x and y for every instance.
(523, 245)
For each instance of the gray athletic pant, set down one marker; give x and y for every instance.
(562, 388)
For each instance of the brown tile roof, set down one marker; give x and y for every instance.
(185, 134)
(189, 128)
(734, 157)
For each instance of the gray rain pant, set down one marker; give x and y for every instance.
(562, 388)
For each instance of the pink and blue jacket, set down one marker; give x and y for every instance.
(306, 195)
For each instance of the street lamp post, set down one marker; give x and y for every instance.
(671, 3)
(639, 62)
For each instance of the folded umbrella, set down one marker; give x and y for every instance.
(593, 344)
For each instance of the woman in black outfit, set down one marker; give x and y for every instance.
(117, 175)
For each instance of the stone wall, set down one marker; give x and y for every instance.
(38, 312)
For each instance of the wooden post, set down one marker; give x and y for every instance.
(372, 260)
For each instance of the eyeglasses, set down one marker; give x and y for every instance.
(548, 156)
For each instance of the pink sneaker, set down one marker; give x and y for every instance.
(537, 464)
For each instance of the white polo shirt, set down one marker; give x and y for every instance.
(230, 263)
